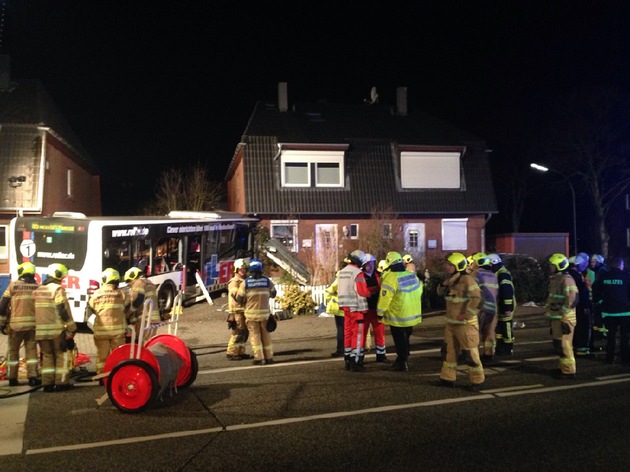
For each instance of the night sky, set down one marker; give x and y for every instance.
(153, 85)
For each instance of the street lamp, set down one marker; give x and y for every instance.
(540, 168)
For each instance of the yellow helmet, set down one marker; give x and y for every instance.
(110, 276)
(382, 265)
(559, 261)
(26, 268)
(393, 257)
(131, 274)
(57, 271)
(458, 260)
(407, 258)
(481, 259)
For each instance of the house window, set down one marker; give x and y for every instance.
(431, 169)
(69, 183)
(387, 231)
(285, 231)
(354, 231)
(312, 168)
(4, 253)
(413, 238)
(454, 234)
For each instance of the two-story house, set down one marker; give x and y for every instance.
(43, 167)
(327, 178)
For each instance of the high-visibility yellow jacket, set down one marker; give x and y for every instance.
(332, 299)
(400, 300)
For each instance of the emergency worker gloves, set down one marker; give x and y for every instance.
(67, 343)
(231, 322)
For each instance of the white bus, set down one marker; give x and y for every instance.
(169, 249)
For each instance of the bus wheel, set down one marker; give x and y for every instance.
(132, 386)
(166, 295)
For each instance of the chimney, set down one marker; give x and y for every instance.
(401, 101)
(283, 100)
(5, 72)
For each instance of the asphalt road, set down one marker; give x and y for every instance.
(307, 413)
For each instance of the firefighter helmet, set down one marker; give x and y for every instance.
(597, 258)
(382, 265)
(110, 276)
(356, 257)
(559, 261)
(132, 274)
(255, 265)
(494, 259)
(369, 258)
(407, 258)
(25, 268)
(481, 259)
(458, 260)
(240, 264)
(57, 271)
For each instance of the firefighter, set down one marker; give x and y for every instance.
(111, 306)
(410, 265)
(462, 296)
(17, 319)
(373, 281)
(560, 309)
(142, 289)
(237, 344)
(489, 287)
(353, 293)
(400, 306)
(382, 267)
(506, 305)
(255, 294)
(54, 329)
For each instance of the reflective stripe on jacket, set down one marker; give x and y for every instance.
(256, 293)
(22, 316)
(562, 298)
(109, 302)
(462, 300)
(48, 322)
(352, 290)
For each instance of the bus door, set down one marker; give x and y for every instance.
(193, 261)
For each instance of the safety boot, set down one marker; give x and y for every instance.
(13, 382)
(34, 382)
(381, 358)
(399, 366)
(358, 365)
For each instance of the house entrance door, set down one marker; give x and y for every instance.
(326, 245)
(415, 243)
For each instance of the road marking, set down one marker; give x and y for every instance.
(510, 389)
(562, 387)
(12, 424)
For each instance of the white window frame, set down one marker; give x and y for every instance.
(312, 159)
(69, 175)
(455, 234)
(430, 169)
(292, 223)
(353, 233)
(4, 249)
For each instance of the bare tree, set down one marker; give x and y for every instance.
(188, 189)
(593, 150)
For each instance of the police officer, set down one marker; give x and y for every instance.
(17, 319)
(462, 296)
(237, 343)
(583, 313)
(255, 294)
(400, 306)
(611, 292)
(110, 304)
(596, 268)
(142, 289)
(560, 309)
(54, 329)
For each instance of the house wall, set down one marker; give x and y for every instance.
(86, 192)
(236, 186)
(370, 239)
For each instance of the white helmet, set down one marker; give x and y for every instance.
(494, 259)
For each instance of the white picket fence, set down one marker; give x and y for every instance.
(317, 294)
